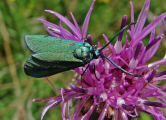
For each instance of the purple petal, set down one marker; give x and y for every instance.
(156, 104)
(111, 46)
(63, 110)
(148, 93)
(77, 89)
(50, 25)
(132, 19)
(151, 110)
(161, 74)
(159, 78)
(75, 22)
(122, 115)
(104, 112)
(89, 40)
(128, 108)
(115, 116)
(162, 28)
(86, 21)
(140, 44)
(67, 22)
(99, 100)
(79, 107)
(91, 67)
(150, 49)
(149, 28)
(128, 93)
(63, 34)
(159, 62)
(50, 104)
(152, 35)
(163, 87)
(152, 75)
(142, 18)
(156, 46)
(52, 85)
(123, 24)
(153, 42)
(52, 32)
(55, 29)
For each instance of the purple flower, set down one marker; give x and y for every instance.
(107, 90)
(59, 31)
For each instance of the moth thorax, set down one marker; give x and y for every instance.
(83, 53)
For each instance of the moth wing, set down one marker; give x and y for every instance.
(48, 63)
(44, 43)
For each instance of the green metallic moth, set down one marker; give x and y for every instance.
(53, 55)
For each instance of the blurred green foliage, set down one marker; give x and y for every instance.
(19, 17)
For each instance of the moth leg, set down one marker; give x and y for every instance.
(83, 74)
(92, 69)
(95, 73)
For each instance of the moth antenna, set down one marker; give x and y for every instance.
(120, 67)
(125, 27)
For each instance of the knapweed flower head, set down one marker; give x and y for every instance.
(106, 89)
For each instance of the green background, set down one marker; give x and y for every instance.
(19, 17)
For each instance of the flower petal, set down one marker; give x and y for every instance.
(142, 18)
(149, 28)
(86, 21)
(67, 22)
